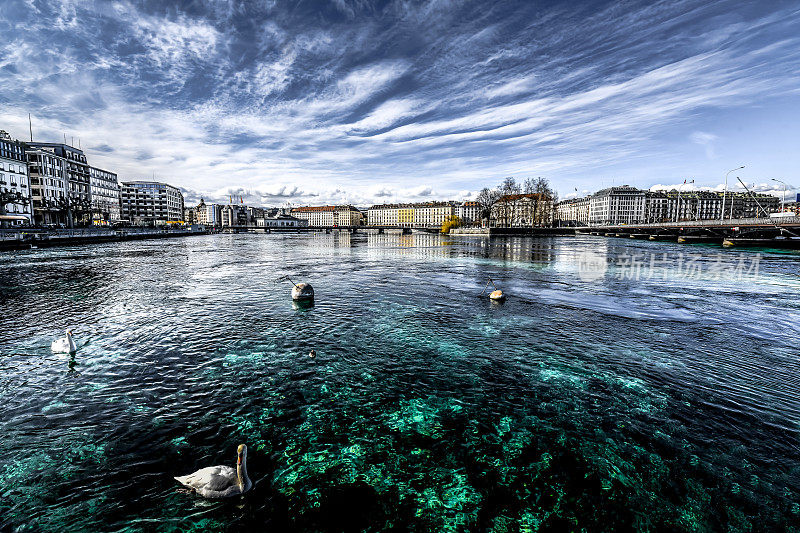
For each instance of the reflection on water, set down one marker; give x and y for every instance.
(662, 402)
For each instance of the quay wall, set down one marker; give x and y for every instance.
(26, 239)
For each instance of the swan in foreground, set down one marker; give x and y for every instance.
(220, 481)
(64, 345)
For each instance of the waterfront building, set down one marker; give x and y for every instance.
(431, 214)
(383, 215)
(424, 214)
(233, 215)
(573, 212)
(321, 216)
(190, 216)
(281, 221)
(209, 214)
(151, 203)
(629, 205)
(60, 183)
(16, 207)
(522, 211)
(254, 213)
(469, 213)
(105, 196)
(617, 205)
(329, 215)
(750, 205)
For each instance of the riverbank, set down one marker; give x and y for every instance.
(34, 238)
(530, 232)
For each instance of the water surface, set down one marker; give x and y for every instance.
(663, 398)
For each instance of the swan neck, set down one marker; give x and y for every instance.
(241, 474)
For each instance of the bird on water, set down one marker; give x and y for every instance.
(64, 344)
(220, 481)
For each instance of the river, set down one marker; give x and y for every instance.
(622, 385)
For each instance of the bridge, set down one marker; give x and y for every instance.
(333, 229)
(781, 232)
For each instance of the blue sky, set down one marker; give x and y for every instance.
(370, 102)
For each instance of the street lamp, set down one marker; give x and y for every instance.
(783, 200)
(678, 209)
(725, 194)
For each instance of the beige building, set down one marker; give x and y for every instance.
(383, 215)
(469, 213)
(427, 214)
(523, 211)
(574, 212)
(329, 216)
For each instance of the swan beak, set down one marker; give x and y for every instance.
(239, 461)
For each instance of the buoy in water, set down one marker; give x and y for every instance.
(312, 354)
(302, 292)
(497, 295)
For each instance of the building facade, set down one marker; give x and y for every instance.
(105, 196)
(329, 215)
(627, 205)
(522, 211)
(60, 184)
(425, 214)
(573, 212)
(469, 213)
(209, 214)
(383, 215)
(151, 203)
(48, 182)
(16, 207)
(281, 221)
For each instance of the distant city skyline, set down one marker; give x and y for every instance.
(315, 103)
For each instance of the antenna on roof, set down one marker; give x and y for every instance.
(30, 126)
(65, 138)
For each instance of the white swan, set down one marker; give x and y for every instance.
(220, 481)
(64, 345)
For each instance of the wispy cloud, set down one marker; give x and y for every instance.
(364, 102)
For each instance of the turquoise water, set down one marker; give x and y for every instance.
(655, 397)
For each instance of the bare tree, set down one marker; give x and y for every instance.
(486, 200)
(508, 204)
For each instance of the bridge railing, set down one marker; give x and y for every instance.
(763, 221)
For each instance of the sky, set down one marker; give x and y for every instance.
(362, 102)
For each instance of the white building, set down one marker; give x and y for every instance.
(71, 169)
(573, 212)
(617, 205)
(627, 205)
(431, 214)
(150, 202)
(105, 196)
(208, 214)
(48, 182)
(281, 221)
(522, 211)
(383, 215)
(426, 214)
(329, 215)
(14, 183)
(469, 213)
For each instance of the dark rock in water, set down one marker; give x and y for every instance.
(302, 291)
